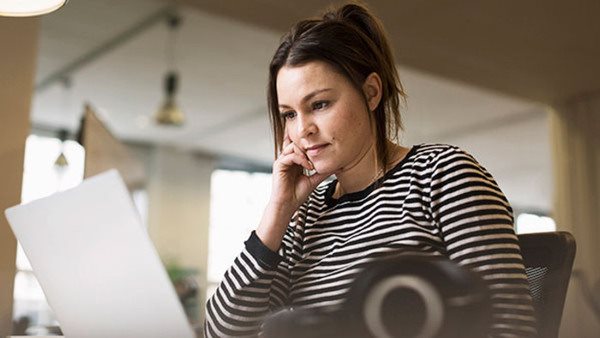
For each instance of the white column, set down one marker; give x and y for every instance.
(179, 204)
(576, 150)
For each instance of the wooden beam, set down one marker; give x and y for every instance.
(17, 68)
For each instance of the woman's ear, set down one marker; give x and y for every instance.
(372, 90)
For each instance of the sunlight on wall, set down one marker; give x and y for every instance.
(238, 199)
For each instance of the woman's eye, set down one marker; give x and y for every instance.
(320, 105)
(288, 115)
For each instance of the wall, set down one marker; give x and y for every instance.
(17, 66)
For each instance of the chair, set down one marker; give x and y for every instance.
(548, 260)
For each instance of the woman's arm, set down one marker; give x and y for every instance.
(258, 280)
(476, 224)
(256, 283)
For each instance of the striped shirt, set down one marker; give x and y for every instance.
(438, 200)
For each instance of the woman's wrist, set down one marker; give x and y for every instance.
(272, 226)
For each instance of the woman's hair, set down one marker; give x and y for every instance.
(351, 40)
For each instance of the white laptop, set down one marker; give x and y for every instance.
(96, 263)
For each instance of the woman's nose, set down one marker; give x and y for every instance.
(306, 125)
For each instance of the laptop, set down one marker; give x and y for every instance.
(96, 263)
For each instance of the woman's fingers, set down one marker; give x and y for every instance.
(295, 158)
(301, 152)
(288, 149)
(293, 148)
(286, 139)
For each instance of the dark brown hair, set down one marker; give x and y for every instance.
(351, 40)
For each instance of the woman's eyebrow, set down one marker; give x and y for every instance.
(307, 97)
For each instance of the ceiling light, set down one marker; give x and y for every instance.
(29, 7)
(169, 114)
(61, 161)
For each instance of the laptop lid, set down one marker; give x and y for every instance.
(96, 263)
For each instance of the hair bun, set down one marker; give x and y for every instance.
(361, 18)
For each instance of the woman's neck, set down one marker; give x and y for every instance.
(367, 170)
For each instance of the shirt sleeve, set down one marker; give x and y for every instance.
(256, 283)
(476, 224)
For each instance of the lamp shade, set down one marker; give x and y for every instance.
(170, 114)
(29, 7)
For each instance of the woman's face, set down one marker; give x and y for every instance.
(325, 116)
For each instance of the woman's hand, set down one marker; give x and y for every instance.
(290, 186)
(290, 189)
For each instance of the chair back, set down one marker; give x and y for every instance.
(548, 258)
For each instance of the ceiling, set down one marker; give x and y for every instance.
(545, 51)
(477, 75)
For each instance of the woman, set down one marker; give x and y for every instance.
(334, 97)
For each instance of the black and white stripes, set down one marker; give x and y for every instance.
(437, 200)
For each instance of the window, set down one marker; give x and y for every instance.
(42, 178)
(237, 201)
(530, 223)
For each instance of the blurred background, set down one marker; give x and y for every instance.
(176, 93)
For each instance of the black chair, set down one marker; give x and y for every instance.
(548, 260)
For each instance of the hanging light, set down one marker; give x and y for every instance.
(169, 113)
(29, 7)
(61, 161)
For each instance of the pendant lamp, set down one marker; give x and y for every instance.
(29, 7)
(169, 113)
(61, 161)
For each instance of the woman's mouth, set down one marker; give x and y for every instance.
(316, 149)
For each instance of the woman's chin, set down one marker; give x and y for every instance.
(324, 168)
